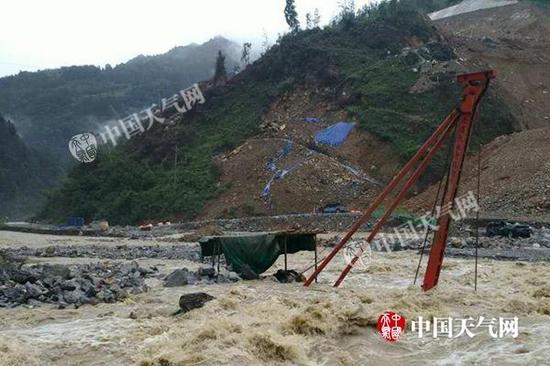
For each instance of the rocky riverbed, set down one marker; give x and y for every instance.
(187, 252)
(261, 321)
(66, 285)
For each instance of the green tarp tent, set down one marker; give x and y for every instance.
(257, 251)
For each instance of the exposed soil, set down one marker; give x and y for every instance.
(349, 174)
(468, 6)
(514, 180)
(515, 41)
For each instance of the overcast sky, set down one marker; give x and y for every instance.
(39, 34)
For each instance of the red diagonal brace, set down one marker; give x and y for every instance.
(451, 118)
(408, 185)
(475, 85)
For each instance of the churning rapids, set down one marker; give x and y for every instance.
(266, 322)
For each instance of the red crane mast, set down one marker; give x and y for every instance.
(461, 120)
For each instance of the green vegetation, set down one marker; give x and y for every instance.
(138, 181)
(245, 57)
(359, 54)
(24, 174)
(545, 3)
(400, 215)
(389, 8)
(220, 75)
(50, 106)
(291, 16)
(405, 120)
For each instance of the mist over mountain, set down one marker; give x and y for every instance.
(24, 174)
(50, 106)
(385, 69)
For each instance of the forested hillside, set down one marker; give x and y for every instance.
(50, 106)
(24, 174)
(385, 67)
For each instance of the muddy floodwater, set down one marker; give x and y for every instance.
(266, 322)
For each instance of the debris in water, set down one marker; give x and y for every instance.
(289, 276)
(192, 301)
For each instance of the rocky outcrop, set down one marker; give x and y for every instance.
(66, 285)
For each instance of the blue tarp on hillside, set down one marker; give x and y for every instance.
(334, 135)
(266, 192)
(312, 119)
(278, 173)
(287, 149)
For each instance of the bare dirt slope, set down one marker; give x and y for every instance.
(514, 180)
(468, 6)
(515, 41)
(349, 174)
(512, 39)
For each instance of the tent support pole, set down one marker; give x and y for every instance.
(285, 255)
(214, 255)
(219, 256)
(315, 259)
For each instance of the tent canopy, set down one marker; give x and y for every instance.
(257, 251)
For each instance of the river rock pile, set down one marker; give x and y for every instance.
(66, 285)
(187, 252)
(204, 275)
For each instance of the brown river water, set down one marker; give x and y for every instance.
(264, 322)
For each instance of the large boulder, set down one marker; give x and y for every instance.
(192, 301)
(180, 277)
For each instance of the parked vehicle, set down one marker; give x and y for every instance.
(507, 229)
(332, 208)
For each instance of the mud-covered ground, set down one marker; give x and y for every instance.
(265, 322)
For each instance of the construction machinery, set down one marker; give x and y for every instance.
(460, 120)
